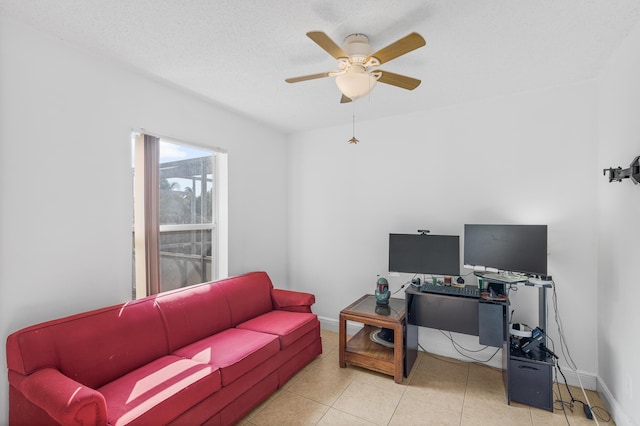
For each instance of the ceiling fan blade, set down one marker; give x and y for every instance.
(398, 80)
(344, 99)
(323, 40)
(307, 77)
(399, 48)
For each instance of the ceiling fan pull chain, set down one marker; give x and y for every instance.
(353, 140)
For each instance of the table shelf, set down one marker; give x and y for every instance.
(361, 343)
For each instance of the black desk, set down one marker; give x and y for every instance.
(489, 320)
(466, 315)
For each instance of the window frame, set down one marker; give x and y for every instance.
(147, 229)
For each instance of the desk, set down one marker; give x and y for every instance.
(360, 350)
(465, 315)
(526, 380)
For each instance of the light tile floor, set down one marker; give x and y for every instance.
(439, 391)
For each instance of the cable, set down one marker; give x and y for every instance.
(464, 355)
(587, 404)
(401, 287)
(571, 363)
(450, 337)
(563, 404)
(405, 284)
(607, 419)
(573, 399)
(456, 345)
(563, 345)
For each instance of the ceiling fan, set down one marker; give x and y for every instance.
(355, 78)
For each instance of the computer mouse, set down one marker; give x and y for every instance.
(460, 280)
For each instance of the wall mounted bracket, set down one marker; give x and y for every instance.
(619, 173)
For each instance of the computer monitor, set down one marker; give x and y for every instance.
(424, 254)
(513, 248)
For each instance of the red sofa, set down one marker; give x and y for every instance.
(205, 354)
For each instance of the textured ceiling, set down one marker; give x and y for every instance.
(237, 53)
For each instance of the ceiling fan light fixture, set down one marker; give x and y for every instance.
(355, 78)
(356, 83)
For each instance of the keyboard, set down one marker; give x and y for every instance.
(466, 291)
(491, 276)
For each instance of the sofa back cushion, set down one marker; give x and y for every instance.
(248, 295)
(193, 313)
(94, 347)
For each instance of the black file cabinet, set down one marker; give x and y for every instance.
(530, 382)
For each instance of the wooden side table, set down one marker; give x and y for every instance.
(360, 350)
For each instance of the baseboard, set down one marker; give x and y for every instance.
(617, 413)
(576, 378)
(440, 343)
(334, 325)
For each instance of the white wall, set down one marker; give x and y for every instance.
(619, 231)
(525, 159)
(65, 200)
(65, 178)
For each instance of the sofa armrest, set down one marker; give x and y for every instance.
(65, 400)
(294, 301)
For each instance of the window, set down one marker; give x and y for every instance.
(179, 236)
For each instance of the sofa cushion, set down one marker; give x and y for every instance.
(192, 313)
(234, 351)
(288, 326)
(94, 347)
(159, 391)
(248, 295)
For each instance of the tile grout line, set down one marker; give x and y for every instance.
(464, 397)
